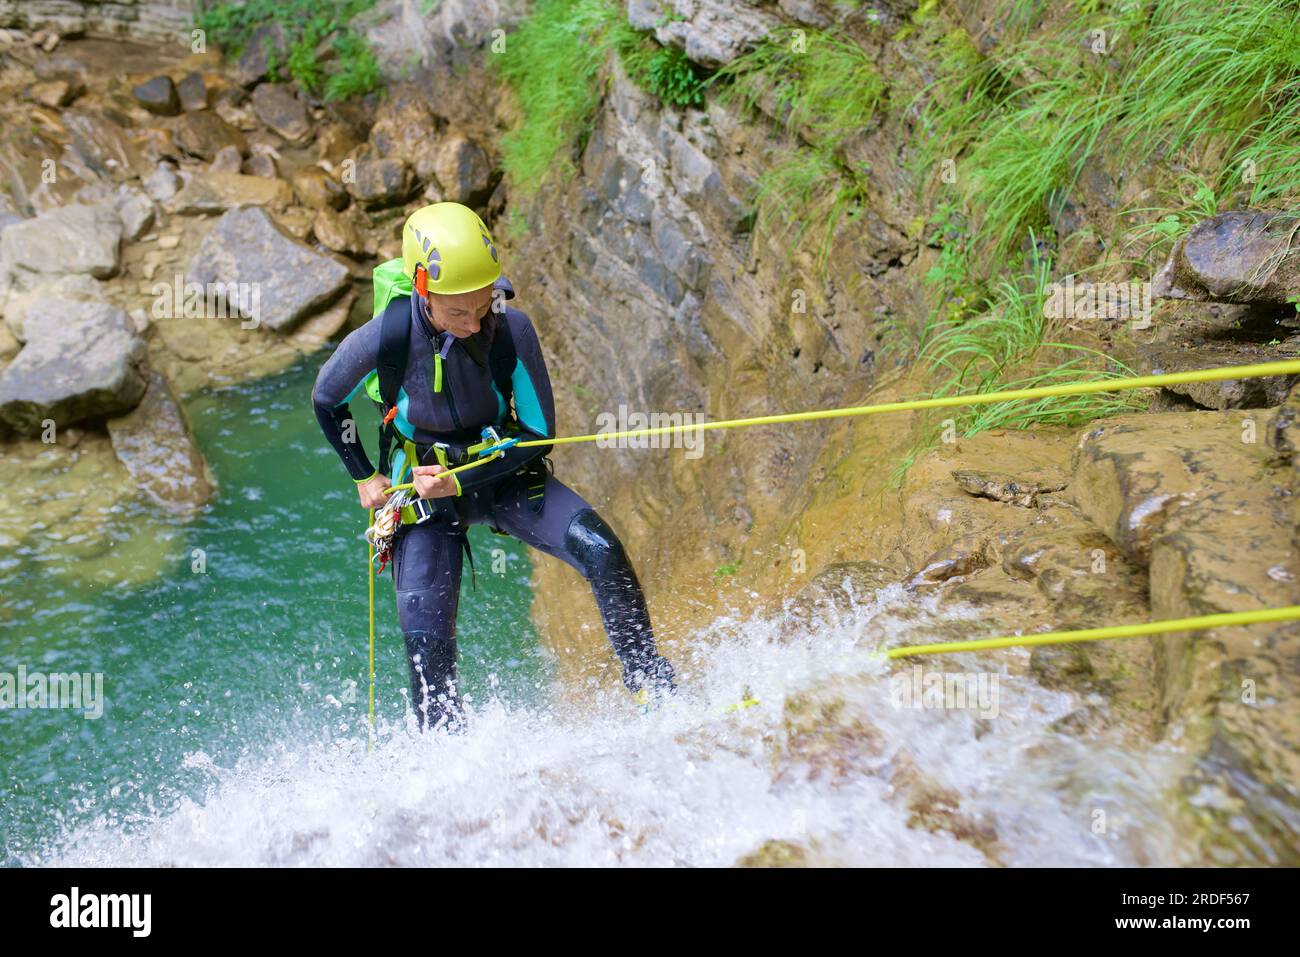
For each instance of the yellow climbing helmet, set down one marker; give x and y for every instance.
(451, 246)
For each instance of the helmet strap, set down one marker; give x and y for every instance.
(421, 281)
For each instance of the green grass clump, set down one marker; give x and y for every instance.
(806, 188)
(665, 72)
(821, 84)
(306, 24)
(553, 63)
(1010, 344)
(1190, 76)
(823, 90)
(358, 71)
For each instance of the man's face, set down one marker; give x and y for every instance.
(460, 314)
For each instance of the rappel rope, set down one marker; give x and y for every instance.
(380, 534)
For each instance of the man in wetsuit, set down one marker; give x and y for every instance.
(470, 361)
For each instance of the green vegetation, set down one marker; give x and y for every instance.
(1126, 84)
(1202, 99)
(1009, 345)
(353, 70)
(664, 71)
(823, 90)
(804, 188)
(726, 570)
(1005, 342)
(822, 86)
(553, 63)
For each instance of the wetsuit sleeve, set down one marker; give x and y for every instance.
(340, 378)
(534, 406)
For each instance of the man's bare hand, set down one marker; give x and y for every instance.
(372, 491)
(429, 485)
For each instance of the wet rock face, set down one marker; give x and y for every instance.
(293, 281)
(82, 361)
(161, 21)
(155, 444)
(1201, 498)
(1238, 257)
(68, 239)
(712, 32)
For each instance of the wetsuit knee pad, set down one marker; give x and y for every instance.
(594, 546)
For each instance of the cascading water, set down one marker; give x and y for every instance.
(235, 729)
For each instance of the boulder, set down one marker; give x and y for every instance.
(463, 171)
(213, 192)
(318, 189)
(713, 34)
(71, 287)
(136, 212)
(163, 183)
(55, 93)
(262, 164)
(103, 146)
(86, 366)
(380, 183)
(255, 59)
(193, 92)
(203, 134)
(337, 232)
(60, 68)
(231, 104)
(158, 96)
(291, 280)
(1237, 257)
(276, 106)
(227, 160)
(155, 444)
(335, 141)
(405, 128)
(67, 239)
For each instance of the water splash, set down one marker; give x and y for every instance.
(690, 784)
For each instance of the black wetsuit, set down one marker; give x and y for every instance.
(515, 494)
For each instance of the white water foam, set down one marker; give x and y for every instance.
(687, 785)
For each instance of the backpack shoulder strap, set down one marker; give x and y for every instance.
(502, 358)
(394, 349)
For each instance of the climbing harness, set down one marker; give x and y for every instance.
(384, 523)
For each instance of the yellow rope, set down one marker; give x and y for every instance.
(1285, 367)
(1220, 374)
(1199, 623)
(370, 565)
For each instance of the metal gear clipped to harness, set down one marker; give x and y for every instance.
(384, 526)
